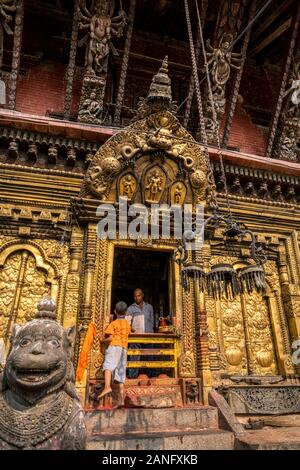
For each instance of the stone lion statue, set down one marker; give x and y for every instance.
(39, 407)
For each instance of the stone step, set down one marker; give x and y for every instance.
(204, 439)
(146, 420)
(270, 438)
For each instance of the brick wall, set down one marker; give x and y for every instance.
(41, 90)
(247, 136)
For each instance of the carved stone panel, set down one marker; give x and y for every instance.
(264, 400)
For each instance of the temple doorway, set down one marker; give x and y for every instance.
(149, 270)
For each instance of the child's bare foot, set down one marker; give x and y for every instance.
(118, 405)
(104, 392)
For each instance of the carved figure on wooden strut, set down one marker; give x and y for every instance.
(102, 28)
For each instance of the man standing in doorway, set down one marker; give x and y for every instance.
(140, 314)
(140, 317)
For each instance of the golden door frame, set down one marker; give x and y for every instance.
(174, 289)
(102, 289)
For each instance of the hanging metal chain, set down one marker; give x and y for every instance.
(212, 103)
(212, 196)
(195, 75)
(71, 65)
(285, 77)
(190, 94)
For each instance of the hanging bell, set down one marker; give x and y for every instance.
(192, 272)
(222, 281)
(252, 278)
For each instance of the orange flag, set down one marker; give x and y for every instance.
(84, 354)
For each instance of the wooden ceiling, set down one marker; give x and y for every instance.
(166, 19)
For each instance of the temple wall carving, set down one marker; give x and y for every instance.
(29, 269)
(250, 335)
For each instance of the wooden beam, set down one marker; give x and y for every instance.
(125, 60)
(237, 80)
(71, 65)
(16, 55)
(151, 352)
(280, 30)
(270, 19)
(285, 76)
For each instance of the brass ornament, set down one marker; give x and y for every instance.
(261, 340)
(230, 318)
(110, 166)
(157, 133)
(264, 358)
(234, 355)
(187, 364)
(129, 146)
(246, 335)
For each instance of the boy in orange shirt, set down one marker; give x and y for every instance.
(116, 354)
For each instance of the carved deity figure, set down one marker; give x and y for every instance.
(293, 108)
(287, 148)
(288, 143)
(220, 62)
(192, 392)
(102, 27)
(6, 7)
(90, 108)
(178, 193)
(128, 186)
(222, 59)
(39, 407)
(154, 186)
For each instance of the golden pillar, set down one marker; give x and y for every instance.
(202, 259)
(288, 261)
(17, 296)
(71, 301)
(85, 312)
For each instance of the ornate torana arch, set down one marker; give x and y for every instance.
(157, 135)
